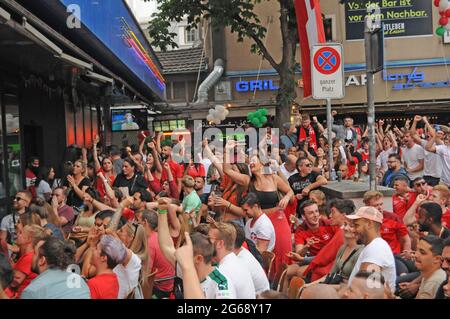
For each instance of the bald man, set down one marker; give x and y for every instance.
(319, 291)
(366, 285)
(289, 168)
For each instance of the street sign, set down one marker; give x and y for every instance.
(327, 71)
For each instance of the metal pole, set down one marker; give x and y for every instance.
(371, 109)
(330, 140)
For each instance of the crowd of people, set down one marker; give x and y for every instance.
(138, 223)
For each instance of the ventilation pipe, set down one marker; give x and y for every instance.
(209, 82)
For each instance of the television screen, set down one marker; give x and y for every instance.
(129, 120)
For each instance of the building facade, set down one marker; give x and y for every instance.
(415, 79)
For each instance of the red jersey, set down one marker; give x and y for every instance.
(445, 220)
(30, 181)
(158, 262)
(104, 286)
(128, 214)
(391, 232)
(195, 171)
(352, 168)
(321, 236)
(24, 265)
(100, 186)
(401, 204)
(176, 169)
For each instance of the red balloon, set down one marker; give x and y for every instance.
(442, 13)
(447, 13)
(443, 21)
(436, 3)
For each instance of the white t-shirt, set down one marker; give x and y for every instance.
(234, 269)
(261, 229)
(43, 188)
(383, 157)
(128, 276)
(379, 253)
(444, 152)
(411, 157)
(285, 172)
(432, 163)
(259, 277)
(218, 286)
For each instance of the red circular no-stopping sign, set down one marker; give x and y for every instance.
(327, 60)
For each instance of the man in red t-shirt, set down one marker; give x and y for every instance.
(393, 231)
(106, 255)
(310, 238)
(23, 274)
(403, 198)
(440, 194)
(176, 169)
(165, 272)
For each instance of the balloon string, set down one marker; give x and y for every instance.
(269, 22)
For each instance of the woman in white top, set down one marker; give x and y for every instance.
(44, 180)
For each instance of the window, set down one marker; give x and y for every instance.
(168, 126)
(329, 26)
(179, 91)
(190, 36)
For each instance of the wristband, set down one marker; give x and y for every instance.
(162, 211)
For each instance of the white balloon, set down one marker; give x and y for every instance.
(210, 118)
(216, 121)
(211, 111)
(228, 112)
(220, 108)
(222, 116)
(443, 5)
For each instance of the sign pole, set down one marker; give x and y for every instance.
(330, 140)
(371, 108)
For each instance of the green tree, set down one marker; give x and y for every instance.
(240, 16)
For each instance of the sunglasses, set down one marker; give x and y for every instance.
(308, 165)
(18, 198)
(420, 183)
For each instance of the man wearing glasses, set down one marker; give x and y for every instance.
(305, 181)
(21, 203)
(395, 169)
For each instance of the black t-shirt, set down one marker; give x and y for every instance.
(298, 183)
(72, 197)
(137, 182)
(445, 234)
(204, 198)
(440, 292)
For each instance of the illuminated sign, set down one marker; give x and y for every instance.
(258, 85)
(412, 80)
(114, 25)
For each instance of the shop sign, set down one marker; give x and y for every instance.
(412, 80)
(258, 85)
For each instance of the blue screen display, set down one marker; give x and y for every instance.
(112, 23)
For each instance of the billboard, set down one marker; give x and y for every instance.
(401, 17)
(114, 25)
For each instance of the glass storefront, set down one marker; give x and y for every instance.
(10, 148)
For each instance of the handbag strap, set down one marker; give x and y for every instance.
(348, 258)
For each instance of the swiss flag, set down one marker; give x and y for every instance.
(311, 31)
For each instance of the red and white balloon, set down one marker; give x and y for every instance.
(444, 20)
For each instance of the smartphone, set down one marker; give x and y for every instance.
(211, 213)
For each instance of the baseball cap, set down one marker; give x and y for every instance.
(367, 212)
(287, 125)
